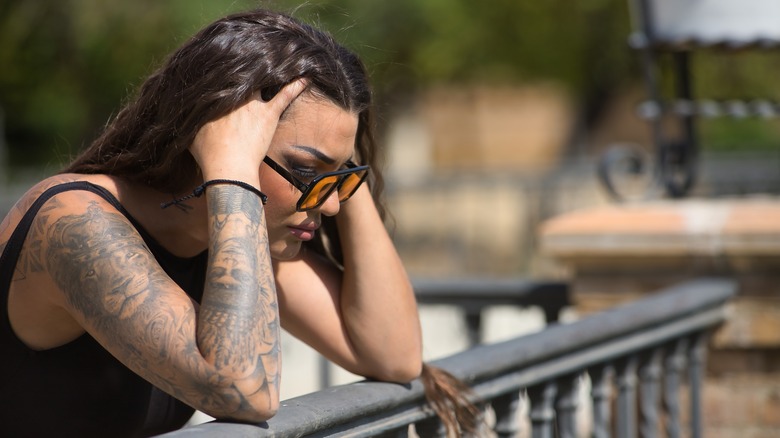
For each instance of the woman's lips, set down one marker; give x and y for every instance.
(304, 233)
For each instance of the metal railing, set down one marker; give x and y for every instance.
(639, 357)
(473, 295)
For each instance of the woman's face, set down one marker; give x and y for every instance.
(315, 136)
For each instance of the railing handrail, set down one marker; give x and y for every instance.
(474, 293)
(363, 408)
(436, 290)
(675, 303)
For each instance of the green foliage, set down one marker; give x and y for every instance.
(751, 134)
(466, 41)
(726, 76)
(68, 64)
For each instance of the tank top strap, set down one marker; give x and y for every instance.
(14, 246)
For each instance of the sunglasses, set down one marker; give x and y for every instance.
(314, 194)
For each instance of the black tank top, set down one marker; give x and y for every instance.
(79, 389)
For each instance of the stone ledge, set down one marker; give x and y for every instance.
(688, 228)
(618, 253)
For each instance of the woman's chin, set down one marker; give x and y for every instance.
(285, 251)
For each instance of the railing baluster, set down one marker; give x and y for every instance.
(626, 405)
(473, 318)
(542, 412)
(675, 363)
(566, 406)
(697, 357)
(430, 427)
(601, 393)
(507, 410)
(650, 392)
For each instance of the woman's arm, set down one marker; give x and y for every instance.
(238, 322)
(223, 359)
(364, 319)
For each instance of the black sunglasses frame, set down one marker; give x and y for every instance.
(305, 189)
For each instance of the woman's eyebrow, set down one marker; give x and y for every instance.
(316, 153)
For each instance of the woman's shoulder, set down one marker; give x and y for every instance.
(68, 182)
(104, 181)
(68, 200)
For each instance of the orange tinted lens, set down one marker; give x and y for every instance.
(319, 191)
(350, 184)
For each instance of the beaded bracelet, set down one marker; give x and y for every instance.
(201, 189)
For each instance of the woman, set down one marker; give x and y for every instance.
(119, 316)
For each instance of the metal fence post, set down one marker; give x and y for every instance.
(566, 406)
(697, 358)
(626, 405)
(674, 364)
(542, 409)
(601, 394)
(507, 410)
(650, 393)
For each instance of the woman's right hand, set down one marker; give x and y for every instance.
(233, 146)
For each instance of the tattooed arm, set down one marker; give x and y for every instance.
(239, 322)
(223, 360)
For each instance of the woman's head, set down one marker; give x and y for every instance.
(314, 139)
(213, 73)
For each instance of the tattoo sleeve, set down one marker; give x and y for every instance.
(109, 276)
(106, 272)
(30, 259)
(239, 323)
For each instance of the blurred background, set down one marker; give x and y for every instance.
(493, 114)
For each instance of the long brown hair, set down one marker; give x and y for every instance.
(213, 73)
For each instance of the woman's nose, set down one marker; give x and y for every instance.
(331, 205)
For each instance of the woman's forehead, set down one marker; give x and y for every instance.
(319, 127)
